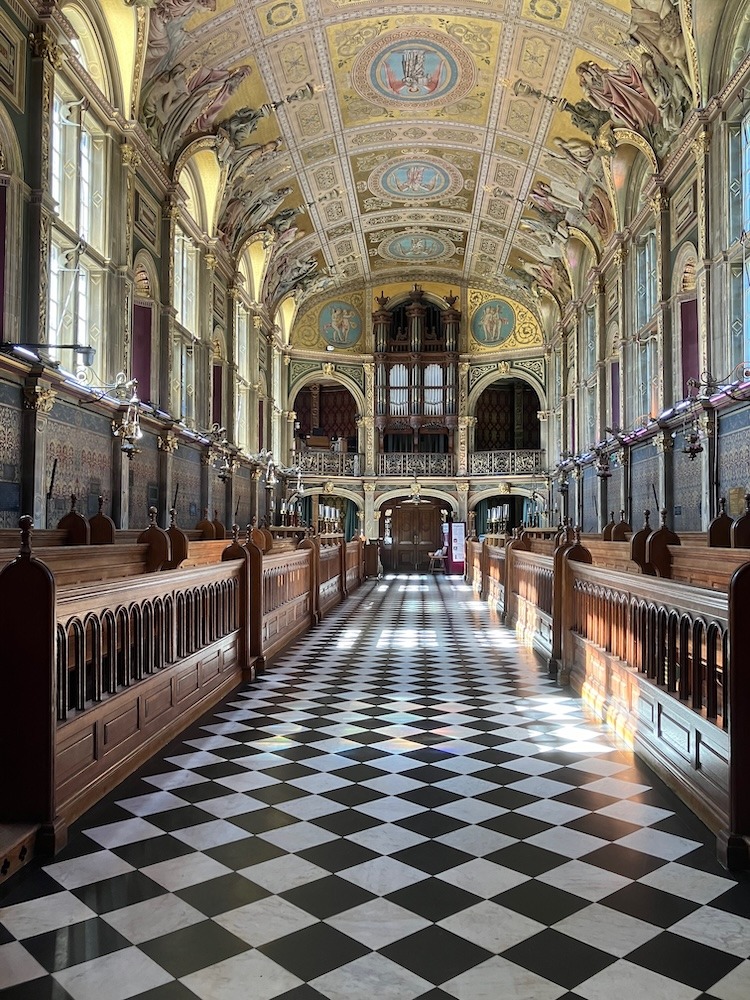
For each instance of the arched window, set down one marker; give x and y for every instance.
(187, 330)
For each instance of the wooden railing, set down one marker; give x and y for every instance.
(101, 671)
(659, 659)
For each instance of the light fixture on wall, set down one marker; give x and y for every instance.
(129, 429)
(415, 499)
(691, 438)
(735, 385)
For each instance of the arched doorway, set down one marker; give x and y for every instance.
(507, 417)
(412, 531)
(326, 417)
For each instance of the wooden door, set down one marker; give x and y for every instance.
(416, 534)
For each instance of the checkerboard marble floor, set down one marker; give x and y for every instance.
(403, 807)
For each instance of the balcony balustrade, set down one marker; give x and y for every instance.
(506, 463)
(407, 464)
(329, 463)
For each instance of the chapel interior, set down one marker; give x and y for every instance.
(309, 297)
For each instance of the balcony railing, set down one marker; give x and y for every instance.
(401, 464)
(506, 463)
(329, 463)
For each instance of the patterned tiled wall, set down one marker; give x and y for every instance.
(79, 450)
(217, 494)
(644, 477)
(186, 479)
(243, 495)
(614, 492)
(144, 481)
(734, 451)
(688, 491)
(10, 455)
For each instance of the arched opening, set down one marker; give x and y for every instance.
(411, 529)
(507, 417)
(326, 418)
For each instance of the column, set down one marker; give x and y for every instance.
(382, 319)
(415, 314)
(167, 445)
(38, 399)
(371, 524)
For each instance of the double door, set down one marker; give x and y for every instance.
(416, 534)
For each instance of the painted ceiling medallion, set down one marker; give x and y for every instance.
(416, 247)
(413, 68)
(415, 178)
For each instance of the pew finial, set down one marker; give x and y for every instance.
(577, 534)
(236, 534)
(248, 529)
(26, 523)
(216, 514)
(73, 502)
(611, 515)
(622, 515)
(205, 513)
(172, 516)
(663, 517)
(152, 516)
(646, 516)
(722, 505)
(747, 503)
(101, 503)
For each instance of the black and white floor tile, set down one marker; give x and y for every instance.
(404, 806)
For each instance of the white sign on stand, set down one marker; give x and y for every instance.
(457, 546)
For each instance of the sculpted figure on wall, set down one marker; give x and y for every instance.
(166, 31)
(620, 92)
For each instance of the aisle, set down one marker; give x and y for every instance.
(403, 807)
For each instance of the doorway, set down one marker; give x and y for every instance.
(415, 533)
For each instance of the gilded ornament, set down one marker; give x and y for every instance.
(37, 398)
(168, 442)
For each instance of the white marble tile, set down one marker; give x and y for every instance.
(175, 779)
(371, 976)
(390, 809)
(609, 930)
(476, 840)
(394, 764)
(127, 831)
(661, 845)
(149, 805)
(530, 765)
(617, 788)
(335, 744)
(392, 784)
(483, 878)
(464, 765)
(17, 965)
(298, 836)
(87, 868)
(587, 881)
(378, 923)
(569, 843)
(599, 765)
(634, 812)
(623, 980)
(247, 781)
(265, 920)
(212, 834)
(471, 810)
(691, 883)
(467, 784)
(179, 873)
(281, 874)
(543, 788)
(236, 804)
(491, 926)
(201, 758)
(734, 986)
(395, 746)
(245, 976)
(215, 742)
(552, 811)
(386, 838)
(153, 917)
(310, 807)
(717, 929)
(382, 875)
(260, 761)
(223, 728)
(117, 976)
(48, 913)
(499, 979)
(320, 782)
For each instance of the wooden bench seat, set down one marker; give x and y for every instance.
(611, 555)
(711, 568)
(74, 565)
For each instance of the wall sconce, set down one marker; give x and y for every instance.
(691, 440)
(129, 430)
(84, 351)
(603, 470)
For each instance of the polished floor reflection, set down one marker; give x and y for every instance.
(403, 807)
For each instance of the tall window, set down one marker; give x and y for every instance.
(433, 390)
(738, 189)
(78, 167)
(399, 391)
(646, 279)
(186, 271)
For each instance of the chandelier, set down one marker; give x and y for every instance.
(129, 429)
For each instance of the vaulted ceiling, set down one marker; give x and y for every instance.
(460, 142)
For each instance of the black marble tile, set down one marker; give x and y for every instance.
(148, 852)
(193, 948)
(624, 861)
(435, 954)
(559, 958)
(345, 822)
(433, 899)
(337, 855)
(327, 896)
(656, 907)
(685, 960)
(77, 943)
(180, 818)
(241, 853)
(44, 988)
(353, 795)
(527, 858)
(273, 794)
(605, 827)
(514, 824)
(29, 883)
(313, 951)
(262, 820)
(218, 895)
(358, 772)
(540, 901)
(121, 890)
(431, 824)
(430, 797)
(432, 857)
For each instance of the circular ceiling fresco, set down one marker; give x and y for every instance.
(415, 178)
(416, 246)
(413, 68)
